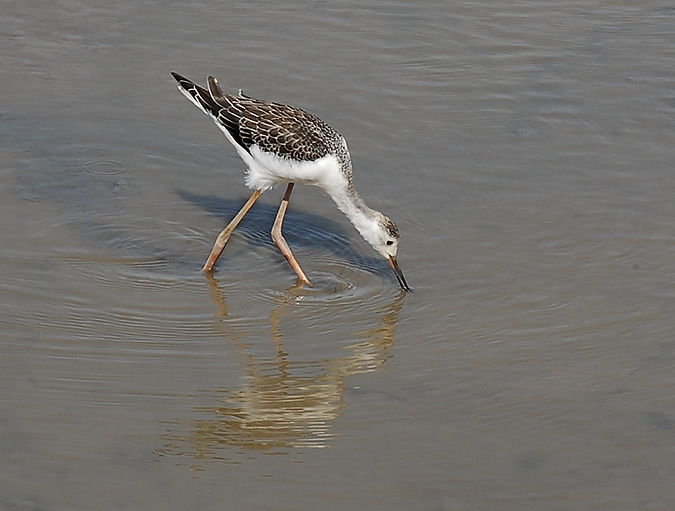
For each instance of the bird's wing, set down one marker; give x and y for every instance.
(283, 130)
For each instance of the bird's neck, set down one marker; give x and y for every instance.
(351, 204)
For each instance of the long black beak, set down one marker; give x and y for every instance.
(399, 274)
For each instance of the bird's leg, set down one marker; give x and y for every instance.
(278, 237)
(224, 236)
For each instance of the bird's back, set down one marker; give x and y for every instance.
(283, 130)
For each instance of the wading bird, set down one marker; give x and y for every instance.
(283, 144)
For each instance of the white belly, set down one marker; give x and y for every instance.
(266, 170)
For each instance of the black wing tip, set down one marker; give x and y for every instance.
(212, 92)
(214, 88)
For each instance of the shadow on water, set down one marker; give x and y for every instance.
(301, 229)
(283, 403)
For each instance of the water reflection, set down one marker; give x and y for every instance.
(284, 403)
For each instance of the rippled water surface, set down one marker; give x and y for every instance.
(525, 150)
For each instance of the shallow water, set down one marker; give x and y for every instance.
(525, 151)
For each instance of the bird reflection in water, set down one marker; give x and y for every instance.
(285, 404)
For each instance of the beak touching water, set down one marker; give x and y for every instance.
(399, 274)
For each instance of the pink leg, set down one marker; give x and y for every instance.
(224, 236)
(278, 237)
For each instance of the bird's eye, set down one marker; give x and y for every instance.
(390, 243)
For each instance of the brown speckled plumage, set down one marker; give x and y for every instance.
(283, 130)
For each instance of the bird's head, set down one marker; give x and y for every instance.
(382, 234)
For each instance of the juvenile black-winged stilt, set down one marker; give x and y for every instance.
(283, 144)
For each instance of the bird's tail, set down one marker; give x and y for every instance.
(198, 95)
